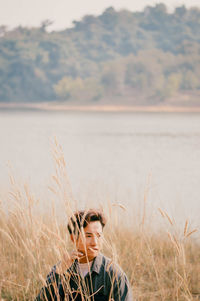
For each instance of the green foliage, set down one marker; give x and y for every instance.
(171, 85)
(153, 52)
(78, 89)
(190, 81)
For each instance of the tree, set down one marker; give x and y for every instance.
(190, 81)
(45, 24)
(78, 89)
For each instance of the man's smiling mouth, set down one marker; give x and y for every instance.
(93, 249)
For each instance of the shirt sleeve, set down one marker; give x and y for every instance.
(121, 288)
(50, 291)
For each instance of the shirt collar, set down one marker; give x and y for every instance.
(97, 264)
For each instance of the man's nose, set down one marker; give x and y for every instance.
(94, 240)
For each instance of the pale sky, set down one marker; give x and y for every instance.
(63, 12)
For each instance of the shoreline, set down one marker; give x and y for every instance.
(98, 108)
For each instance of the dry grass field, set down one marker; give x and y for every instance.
(160, 266)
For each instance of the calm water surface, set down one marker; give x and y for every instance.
(110, 156)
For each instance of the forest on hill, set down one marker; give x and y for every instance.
(149, 56)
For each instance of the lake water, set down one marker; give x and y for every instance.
(118, 157)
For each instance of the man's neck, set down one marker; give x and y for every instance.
(86, 259)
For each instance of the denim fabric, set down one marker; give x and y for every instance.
(106, 281)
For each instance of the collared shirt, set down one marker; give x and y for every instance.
(105, 281)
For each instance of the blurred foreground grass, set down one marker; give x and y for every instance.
(160, 266)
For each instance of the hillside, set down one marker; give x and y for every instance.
(122, 57)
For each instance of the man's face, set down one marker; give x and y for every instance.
(89, 241)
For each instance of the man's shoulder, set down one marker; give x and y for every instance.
(117, 279)
(111, 266)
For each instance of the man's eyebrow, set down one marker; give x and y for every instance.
(93, 232)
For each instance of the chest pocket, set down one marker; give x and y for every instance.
(96, 297)
(100, 297)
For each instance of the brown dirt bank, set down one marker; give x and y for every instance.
(55, 106)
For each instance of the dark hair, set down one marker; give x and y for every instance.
(83, 218)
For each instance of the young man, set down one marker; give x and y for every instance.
(86, 274)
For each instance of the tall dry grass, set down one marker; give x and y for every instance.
(160, 266)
